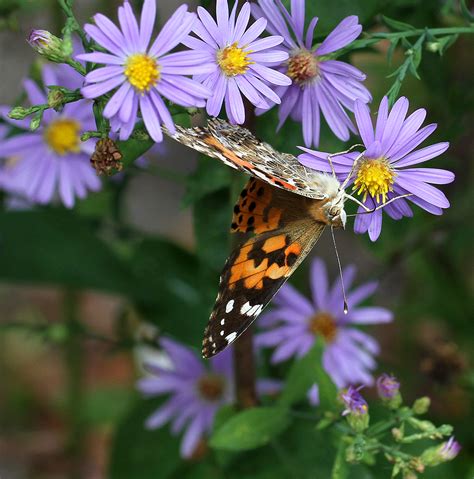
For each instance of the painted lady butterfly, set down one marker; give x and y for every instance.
(285, 205)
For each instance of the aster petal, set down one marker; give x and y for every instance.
(151, 119)
(46, 189)
(430, 175)
(290, 296)
(319, 283)
(364, 122)
(163, 111)
(175, 93)
(368, 342)
(103, 74)
(214, 104)
(394, 123)
(162, 415)
(331, 365)
(129, 26)
(410, 144)
(374, 150)
(102, 58)
(254, 31)
(190, 88)
(114, 104)
(222, 15)
(208, 24)
(147, 22)
(183, 358)
(192, 435)
(343, 69)
(173, 32)
(268, 387)
(20, 144)
(288, 101)
(36, 95)
(382, 117)
(111, 31)
(423, 190)
(410, 128)
(344, 33)
(361, 293)
(263, 89)
(99, 89)
(103, 40)
(424, 154)
(197, 44)
(375, 226)
(66, 191)
(126, 109)
(248, 90)
(270, 75)
(422, 203)
(310, 32)
(334, 115)
(274, 56)
(400, 206)
(163, 384)
(298, 14)
(289, 348)
(370, 315)
(241, 23)
(284, 313)
(234, 104)
(362, 220)
(276, 23)
(277, 335)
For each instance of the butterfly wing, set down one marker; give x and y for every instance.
(259, 267)
(238, 148)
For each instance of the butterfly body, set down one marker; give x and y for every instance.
(284, 206)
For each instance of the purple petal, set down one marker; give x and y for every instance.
(248, 90)
(364, 122)
(409, 145)
(307, 118)
(288, 101)
(310, 32)
(103, 74)
(162, 415)
(334, 115)
(214, 104)
(371, 315)
(234, 104)
(129, 26)
(343, 69)
(382, 116)
(263, 89)
(424, 154)
(430, 175)
(114, 104)
(347, 31)
(208, 29)
(255, 30)
(163, 111)
(222, 15)
(151, 118)
(291, 297)
(103, 40)
(361, 293)
(20, 144)
(111, 30)
(99, 89)
(276, 23)
(242, 22)
(410, 127)
(147, 22)
(394, 123)
(319, 283)
(374, 150)
(65, 184)
(36, 96)
(423, 190)
(192, 435)
(102, 58)
(269, 57)
(375, 226)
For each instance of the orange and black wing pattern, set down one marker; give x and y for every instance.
(259, 267)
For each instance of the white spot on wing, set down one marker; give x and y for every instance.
(229, 306)
(222, 321)
(231, 337)
(245, 308)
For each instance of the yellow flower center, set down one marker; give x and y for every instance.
(324, 324)
(233, 60)
(63, 136)
(374, 177)
(142, 71)
(211, 387)
(302, 67)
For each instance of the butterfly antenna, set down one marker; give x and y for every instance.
(346, 307)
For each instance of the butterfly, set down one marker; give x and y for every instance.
(284, 206)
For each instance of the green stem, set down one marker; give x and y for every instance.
(420, 31)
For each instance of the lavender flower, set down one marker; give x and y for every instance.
(320, 85)
(382, 173)
(295, 323)
(47, 45)
(238, 60)
(196, 392)
(387, 386)
(447, 451)
(51, 160)
(142, 74)
(353, 401)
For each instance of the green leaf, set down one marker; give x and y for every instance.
(466, 12)
(340, 469)
(142, 454)
(250, 429)
(58, 247)
(303, 374)
(132, 149)
(397, 25)
(210, 176)
(391, 50)
(105, 405)
(212, 219)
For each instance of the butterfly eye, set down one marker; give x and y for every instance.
(334, 211)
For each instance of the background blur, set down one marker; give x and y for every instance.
(62, 399)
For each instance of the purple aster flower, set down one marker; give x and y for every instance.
(387, 386)
(238, 59)
(381, 174)
(320, 85)
(144, 74)
(51, 160)
(296, 322)
(353, 401)
(449, 449)
(196, 391)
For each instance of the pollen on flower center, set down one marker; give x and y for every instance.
(142, 71)
(374, 177)
(233, 60)
(63, 136)
(211, 387)
(324, 324)
(303, 67)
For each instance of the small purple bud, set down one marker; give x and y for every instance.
(387, 386)
(354, 402)
(47, 45)
(449, 449)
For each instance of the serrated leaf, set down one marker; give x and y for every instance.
(303, 374)
(250, 429)
(397, 25)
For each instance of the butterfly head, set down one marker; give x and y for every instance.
(334, 210)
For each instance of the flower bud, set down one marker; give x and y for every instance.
(421, 405)
(357, 410)
(447, 451)
(388, 389)
(19, 113)
(56, 98)
(35, 123)
(47, 45)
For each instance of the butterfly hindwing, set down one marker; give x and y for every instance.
(259, 267)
